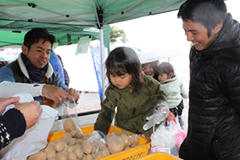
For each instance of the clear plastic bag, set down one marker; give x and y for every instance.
(70, 111)
(97, 139)
(160, 112)
(167, 138)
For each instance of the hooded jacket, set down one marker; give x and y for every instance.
(214, 97)
(132, 110)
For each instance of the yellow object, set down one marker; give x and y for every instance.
(159, 155)
(130, 154)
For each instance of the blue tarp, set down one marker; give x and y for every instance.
(96, 56)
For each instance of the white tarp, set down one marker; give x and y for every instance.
(79, 67)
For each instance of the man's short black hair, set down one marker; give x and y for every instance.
(34, 35)
(209, 13)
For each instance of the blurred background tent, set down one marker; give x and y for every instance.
(161, 53)
(119, 43)
(65, 34)
(72, 17)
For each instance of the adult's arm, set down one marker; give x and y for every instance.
(232, 84)
(12, 125)
(57, 65)
(15, 121)
(59, 82)
(8, 89)
(6, 74)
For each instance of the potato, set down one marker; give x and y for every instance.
(51, 154)
(67, 135)
(127, 148)
(135, 138)
(77, 146)
(79, 135)
(97, 155)
(52, 144)
(115, 143)
(70, 149)
(87, 148)
(101, 146)
(72, 142)
(64, 140)
(66, 148)
(105, 152)
(79, 141)
(30, 157)
(62, 155)
(72, 156)
(69, 125)
(73, 133)
(88, 157)
(128, 141)
(61, 158)
(93, 149)
(59, 146)
(84, 142)
(38, 156)
(47, 149)
(79, 153)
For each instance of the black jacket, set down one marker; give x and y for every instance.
(214, 98)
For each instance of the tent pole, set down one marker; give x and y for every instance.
(102, 60)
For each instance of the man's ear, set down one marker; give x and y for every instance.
(24, 49)
(218, 27)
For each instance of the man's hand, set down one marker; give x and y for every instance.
(57, 94)
(4, 102)
(31, 112)
(74, 93)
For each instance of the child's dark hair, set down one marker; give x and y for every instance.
(35, 35)
(165, 67)
(125, 60)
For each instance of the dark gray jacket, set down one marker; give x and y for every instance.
(214, 97)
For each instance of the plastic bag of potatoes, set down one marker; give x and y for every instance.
(74, 146)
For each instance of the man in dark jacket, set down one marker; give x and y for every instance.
(214, 90)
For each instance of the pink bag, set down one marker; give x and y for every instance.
(180, 136)
(179, 133)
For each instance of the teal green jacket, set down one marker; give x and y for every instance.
(132, 110)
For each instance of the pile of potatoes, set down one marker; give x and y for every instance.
(74, 146)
